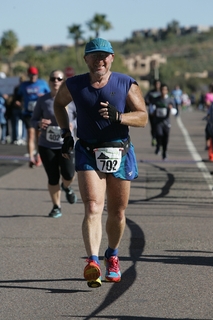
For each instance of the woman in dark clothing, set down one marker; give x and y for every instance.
(162, 122)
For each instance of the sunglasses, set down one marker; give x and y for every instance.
(99, 55)
(52, 79)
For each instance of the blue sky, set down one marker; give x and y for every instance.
(45, 22)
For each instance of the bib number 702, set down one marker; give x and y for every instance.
(108, 159)
(109, 165)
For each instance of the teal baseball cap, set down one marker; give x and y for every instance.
(98, 44)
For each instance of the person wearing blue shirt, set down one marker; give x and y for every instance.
(177, 95)
(28, 94)
(107, 103)
(3, 121)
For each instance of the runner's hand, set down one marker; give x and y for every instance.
(67, 145)
(113, 113)
(110, 112)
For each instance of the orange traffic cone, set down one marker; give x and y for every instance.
(210, 150)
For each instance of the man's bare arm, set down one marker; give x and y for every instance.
(137, 117)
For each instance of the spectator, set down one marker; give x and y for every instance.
(177, 95)
(201, 102)
(186, 102)
(3, 121)
(192, 99)
(18, 127)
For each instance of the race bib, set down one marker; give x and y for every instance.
(108, 160)
(161, 112)
(31, 106)
(53, 134)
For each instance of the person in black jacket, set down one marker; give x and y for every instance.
(16, 116)
(163, 105)
(149, 100)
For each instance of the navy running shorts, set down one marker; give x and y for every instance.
(85, 160)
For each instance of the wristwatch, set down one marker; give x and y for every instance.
(64, 131)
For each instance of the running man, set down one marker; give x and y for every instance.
(107, 103)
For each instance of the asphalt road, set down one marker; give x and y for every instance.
(11, 157)
(166, 253)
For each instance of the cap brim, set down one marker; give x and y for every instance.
(99, 50)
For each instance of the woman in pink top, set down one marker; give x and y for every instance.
(209, 96)
(208, 102)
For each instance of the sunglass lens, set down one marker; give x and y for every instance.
(55, 78)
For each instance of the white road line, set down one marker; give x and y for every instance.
(195, 155)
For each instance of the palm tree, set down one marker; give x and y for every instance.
(98, 23)
(9, 43)
(76, 33)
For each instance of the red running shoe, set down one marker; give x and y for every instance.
(113, 272)
(92, 273)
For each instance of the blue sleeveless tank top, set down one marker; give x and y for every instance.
(91, 126)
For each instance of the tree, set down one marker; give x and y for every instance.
(98, 23)
(76, 33)
(9, 43)
(30, 55)
(173, 27)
